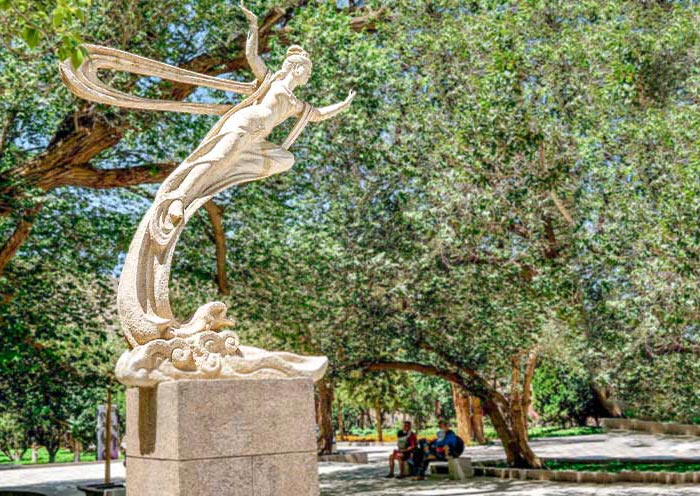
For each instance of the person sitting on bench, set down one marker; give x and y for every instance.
(437, 451)
(406, 441)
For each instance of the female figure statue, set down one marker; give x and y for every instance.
(233, 152)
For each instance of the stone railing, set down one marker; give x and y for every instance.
(669, 428)
(486, 469)
(589, 477)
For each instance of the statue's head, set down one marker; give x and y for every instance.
(298, 63)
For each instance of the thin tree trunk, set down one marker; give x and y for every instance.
(76, 450)
(477, 420)
(35, 453)
(380, 421)
(325, 416)
(215, 213)
(341, 421)
(52, 452)
(527, 387)
(462, 405)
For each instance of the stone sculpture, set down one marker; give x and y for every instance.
(235, 151)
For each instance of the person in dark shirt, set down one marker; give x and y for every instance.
(407, 442)
(438, 450)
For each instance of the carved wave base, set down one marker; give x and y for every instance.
(211, 355)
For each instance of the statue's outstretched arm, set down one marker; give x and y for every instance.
(251, 47)
(329, 111)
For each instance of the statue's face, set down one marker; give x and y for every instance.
(302, 73)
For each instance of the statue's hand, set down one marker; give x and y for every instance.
(351, 95)
(252, 18)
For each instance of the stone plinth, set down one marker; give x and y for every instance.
(223, 438)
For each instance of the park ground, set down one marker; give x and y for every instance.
(367, 480)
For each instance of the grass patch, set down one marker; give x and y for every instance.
(624, 467)
(63, 456)
(539, 432)
(370, 435)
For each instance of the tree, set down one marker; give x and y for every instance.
(14, 439)
(380, 393)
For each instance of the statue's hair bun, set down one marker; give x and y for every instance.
(296, 50)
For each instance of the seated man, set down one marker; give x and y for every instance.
(445, 444)
(407, 441)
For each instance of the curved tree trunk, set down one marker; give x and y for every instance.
(506, 420)
(508, 425)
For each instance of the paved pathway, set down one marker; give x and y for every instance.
(367, 480)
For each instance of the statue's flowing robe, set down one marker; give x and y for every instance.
(143, 296)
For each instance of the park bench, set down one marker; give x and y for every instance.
(457, 468)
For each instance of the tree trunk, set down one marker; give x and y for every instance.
(341, 421)
(325, 416)
(76, 450)
(527, 388)
(610, 406)
(462, 405)
(53, 449)
(477, 421)
(380, 421)
(508, 426)
(35, 453)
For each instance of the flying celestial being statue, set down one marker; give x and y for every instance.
(233, 152)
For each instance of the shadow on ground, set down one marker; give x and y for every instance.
(368, 480)
(57, 488)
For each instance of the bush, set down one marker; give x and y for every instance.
(563, 395)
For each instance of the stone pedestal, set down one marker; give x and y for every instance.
(222, 438)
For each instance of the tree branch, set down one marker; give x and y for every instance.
(452, 377)
(20, 234)
(87, 176)
(475, 384)
(562, 209)
(368, 21)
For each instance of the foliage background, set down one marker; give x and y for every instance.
(512, 176)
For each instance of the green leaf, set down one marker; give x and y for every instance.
(58, 18)
(76, 57)
(31, 36)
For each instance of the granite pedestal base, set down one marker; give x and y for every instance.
(222, 438)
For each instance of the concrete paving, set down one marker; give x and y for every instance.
(367, 480)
